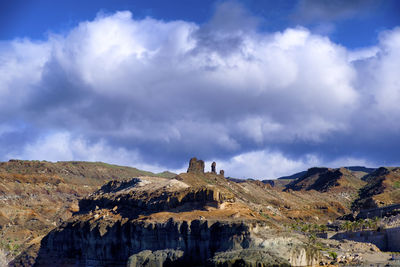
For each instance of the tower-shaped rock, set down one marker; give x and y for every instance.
(213, 167)
(196, 166)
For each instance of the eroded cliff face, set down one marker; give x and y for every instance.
(179, 222)
(86, 243)
(115, 222)
(141, 196)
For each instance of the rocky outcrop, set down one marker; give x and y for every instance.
(248, 258)
(142, 196)
(213, 167)
(194, 218)
(158, 258)
(196, 166)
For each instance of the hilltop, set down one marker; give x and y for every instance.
(326, 179)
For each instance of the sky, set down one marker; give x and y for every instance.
(264, 88)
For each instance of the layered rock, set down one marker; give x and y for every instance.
(83, 243)
(151, 194)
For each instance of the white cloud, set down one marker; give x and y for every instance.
(21, 66)
(169, 90)
(264, 165)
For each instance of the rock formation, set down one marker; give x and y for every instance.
(213, 167)
(196, 166)
(148, 258)
(197, 218)
(36, 196)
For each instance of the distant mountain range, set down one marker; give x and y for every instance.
(351, 168)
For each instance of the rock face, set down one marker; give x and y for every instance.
(196, 166)
(151, 194)
(213, 167)
(93, 244)
(247, 257)
(158, 258)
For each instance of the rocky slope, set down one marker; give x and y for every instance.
(36, 196)
(194, 218)
(326, 179)
(382, 188)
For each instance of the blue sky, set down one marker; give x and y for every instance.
(351, 23)
(265, 88)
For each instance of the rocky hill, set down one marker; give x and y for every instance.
(191, 219)
(326, 179)
(382, 188)
(96, 214)
(36, 196)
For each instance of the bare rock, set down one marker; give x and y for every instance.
(158, 258)
(213, 167)
(247, 257)
(196, 166)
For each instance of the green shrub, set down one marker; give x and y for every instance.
(333, 255)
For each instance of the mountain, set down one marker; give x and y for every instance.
(97, 214)
(326, 179)
(360, 169)
(293, 176)
(195, 218)
(382, 188)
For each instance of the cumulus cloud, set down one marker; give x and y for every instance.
(159, 92)
(264, 164)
